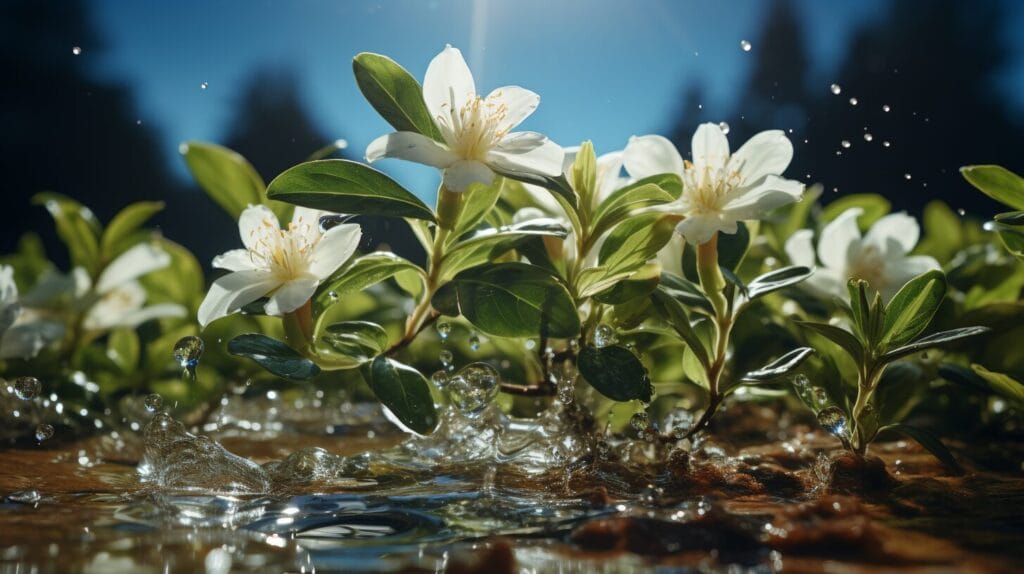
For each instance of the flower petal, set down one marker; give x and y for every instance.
(827, 283)
(527, 152)
(410, 146)
(136, 262)
(233, 291)
(334, 249)
(649, 155)
(609, 174)
(710, 147)
(800, 248)
(234, 260)
(24, 341)
(291, 295)
(767, 153)
(464, 173)
(839, 237)
(8, 288)
(754, 201)
(254, 221)
(700, 228)
(899, 271)
(897, 230)
(448, 84)
(519, 103)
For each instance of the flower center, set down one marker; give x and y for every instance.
(475, 128)
(706, 188)
(284, 252)
(869, 266)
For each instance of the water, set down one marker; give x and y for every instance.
(473, 388)
(44, 431)
(605, 336)
(836, 89)
(154, 402)
(833, 419)
(27, 388)
(444, 329)
(187, 352)
(745, 46)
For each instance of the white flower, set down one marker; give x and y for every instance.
(476, 130)
(22, 335)
(289, 264)
(879, 257)
(119, 298)
(719, 189)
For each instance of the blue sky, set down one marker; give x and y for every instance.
(604, 70)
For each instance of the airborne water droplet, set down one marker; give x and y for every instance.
(745, 45)
(854, 101)
(724, 127)
(27, 388)
(187, 351)
(77, 50)
(43, 432)
(886, 108)
(962, 212)
(473, 388)
(153, 402)
(868, 137)
(640, 421)
(907, 176)
(604, 336)
(845, 143)
(204, 85)
(833, 419)
(836, 89)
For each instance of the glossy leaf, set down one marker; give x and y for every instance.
(672, 310)
(640, 284)
(274, 356)
(912, 308)
(489, 243)
(394, 93)
(1010, 227)
(477, 202)
(686, 292)
(998, 183)
(359, 274)
(934, 340)
(125, 223)
(357, 340)
(732, 247)
(615, 372)
(349, 187)
(226, 176)
(558, 186)
(845, 339)
(511, 300)
(777, 279)
(781, 366)
(650, 191)
(636, 241)
(1004, 385)
(404, 391)
(931, 443)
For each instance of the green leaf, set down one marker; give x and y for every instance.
(934, 340)
(358, 274)
(77, 227)
(860, 310)
(1010, 227)
(912, 308)
(779, 367)
(777, 279)
(1008, 387)
(650, 191)
(404, 391)
(511, 300)
(356, 340)
(732, 247)
(845, 339)
(124, 349)
(874, 206)
(344, 186)
(998, 183)
(674, 312)
(930, 443)
(478, 203)
(274, 356)
(615, 372)
(636, 241)
(225, 175)
(686, 292)
(558, 186)
(640, 284)
(584, 173)
(125, 223)
(486, 244)
(394, 93)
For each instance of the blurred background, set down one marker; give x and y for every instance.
(880, 96)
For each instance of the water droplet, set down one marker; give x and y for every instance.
(962, 212)
(443, 330)
(27, 388)
(845, 143)
(43, 432)
(640, 421)
(836, 89)
(605, 336)
(440, 378)
(153, 402)
(474, 342)
(868, 137)
(679, 423)
(745, 45)
(854, 101)
(187, 352)
(833, 419)
(801, 382)
(907, 176)
(204, 85)
(446, 357)
(473, 388)
(820, 396)
(77, 50)
(724, 127)
(886, 144)
(886, 108)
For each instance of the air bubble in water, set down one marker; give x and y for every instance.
(27, 388)
(77, 50)
(745, 46)
(845, 143)
(473, 388)
(43, 432)
(854, 101)
(443, 330)
(836, 89)
(187, 352)
(153, 402)
(833, 419)
(724, 127)
(604, 336)
(640, 421)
